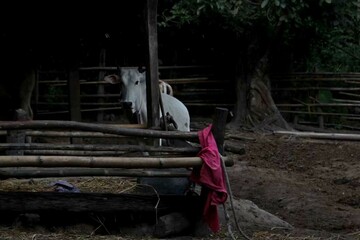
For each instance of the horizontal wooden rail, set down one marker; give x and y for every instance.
(28, 172)
(314, 79)
(174, 81)
(83, 96)
(316, 88)
(95, 127)
(338, 136)
(82, 104)
(320, 113)
(98, 147)
(160, 68)
(318, 105)
(103, 162)
(191, 104)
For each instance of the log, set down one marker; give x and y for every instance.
(238, 149)
(75, 153)
(26, 173)
(93, 127)
(97, 147)
(242, 138)
(92, 202)
(331, 136)
(100, 162)
(99, 153)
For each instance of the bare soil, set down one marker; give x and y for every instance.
(312, 184)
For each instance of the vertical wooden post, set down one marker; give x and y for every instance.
(36, 95)
(74, 87)
(17, 136)
(101, 88)
(218, 127)
(73, 82)
(152, 73)
(74, 95)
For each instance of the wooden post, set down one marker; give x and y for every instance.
(152, 86)
(74, 90)
(101, 88)
(17, 136)
(74, 95)
(218, 127)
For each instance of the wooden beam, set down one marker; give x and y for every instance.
(331, 136)
(45, 202)
(74, 95)
(20, 173)
(152, 78)
(218, 127)
(103, 162)
(96, 127)
(98, 147)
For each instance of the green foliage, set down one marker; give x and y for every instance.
(325, 96)
(326, 32)
(338, 49)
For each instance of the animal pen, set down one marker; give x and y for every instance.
(33, 159)
(33, 149)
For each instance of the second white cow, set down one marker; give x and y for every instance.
(133, 94)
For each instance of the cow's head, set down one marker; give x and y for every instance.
(133, 89)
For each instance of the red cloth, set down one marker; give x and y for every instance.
(210, 176)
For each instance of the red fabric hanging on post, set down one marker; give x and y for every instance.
(210, 176)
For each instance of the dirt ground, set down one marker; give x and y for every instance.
(312, 184)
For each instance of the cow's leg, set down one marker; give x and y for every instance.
(26, 89)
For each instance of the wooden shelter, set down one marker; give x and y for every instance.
(151, 66)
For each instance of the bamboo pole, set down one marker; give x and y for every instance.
(98, 147)
(102, 162)
(319, 104)
(321, 113)
(316, 88)
(93, 127)
(75, 153)
(332, 136)
(6, 173)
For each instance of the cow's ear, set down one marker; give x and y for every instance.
(113, 79)
(141, 69)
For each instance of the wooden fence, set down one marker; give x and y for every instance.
(196, 86)
(19, 153)
(114, 155)
(319, 99)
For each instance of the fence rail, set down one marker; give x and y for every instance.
(318, 98)
(195, 86)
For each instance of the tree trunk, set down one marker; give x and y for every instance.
(254, 103)
(241, 88)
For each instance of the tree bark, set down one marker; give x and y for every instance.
(255, 107)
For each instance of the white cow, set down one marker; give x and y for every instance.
(133, 93)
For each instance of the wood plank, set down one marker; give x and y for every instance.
(333, 136)
(26, 172)
(96, 127)
(103, 162)
(92, 202)
(152, 72)
(318, 104)
(98, 147)
(74, 95)
(320, 113)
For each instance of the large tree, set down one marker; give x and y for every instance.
(272, 35)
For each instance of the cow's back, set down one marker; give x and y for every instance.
(177, 110)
